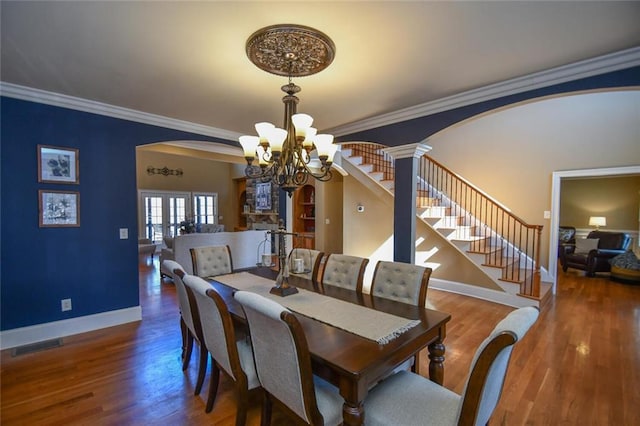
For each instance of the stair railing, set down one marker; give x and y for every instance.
(505, 239)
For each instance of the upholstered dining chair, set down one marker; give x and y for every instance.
(410, 399)
(310, 260)
(344, 271)
(402, 282)
(283, 364)
(234, 356)
(189, 324)
(211, 261)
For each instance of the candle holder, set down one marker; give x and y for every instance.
(282, 287)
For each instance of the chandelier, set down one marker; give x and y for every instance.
(284, 154)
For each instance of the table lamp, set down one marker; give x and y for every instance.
(597, 221)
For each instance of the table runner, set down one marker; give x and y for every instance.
(380, 327)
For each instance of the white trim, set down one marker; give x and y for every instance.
(53, 330)
(555, 207)
(482, 293)
(587, 68)
(607, 63)
(413, 150)
(56, 99)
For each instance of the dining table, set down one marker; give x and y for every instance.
(351, 362)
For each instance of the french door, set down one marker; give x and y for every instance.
(161, 212)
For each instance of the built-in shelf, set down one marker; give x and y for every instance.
(304, 211)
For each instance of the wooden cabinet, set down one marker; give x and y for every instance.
(304, 216)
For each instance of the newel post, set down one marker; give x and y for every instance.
(404, 204)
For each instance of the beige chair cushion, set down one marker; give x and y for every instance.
(344, 271)
(399, 281)
(211, 261)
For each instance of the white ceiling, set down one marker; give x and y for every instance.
(186, 60)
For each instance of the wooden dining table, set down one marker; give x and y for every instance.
(353, 363)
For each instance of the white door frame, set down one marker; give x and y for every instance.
(555, 207)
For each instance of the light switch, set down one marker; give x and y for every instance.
(547, 214)
(327, 221)
(124, 233)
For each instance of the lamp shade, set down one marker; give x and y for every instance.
(597, 221)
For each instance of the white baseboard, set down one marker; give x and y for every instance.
(53, 330)
(482, 293)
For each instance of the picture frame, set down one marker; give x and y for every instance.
(263, 196)
(58, 209)
(58, 165)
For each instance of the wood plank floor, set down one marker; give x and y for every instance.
(580, 364)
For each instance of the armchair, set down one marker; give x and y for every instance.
(610, 244)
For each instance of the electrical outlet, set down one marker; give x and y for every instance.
(65, 304)
(124, 233)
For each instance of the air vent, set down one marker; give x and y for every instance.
(35, 347)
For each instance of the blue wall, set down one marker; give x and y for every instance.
(89, 264)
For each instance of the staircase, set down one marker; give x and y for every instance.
(503, 246)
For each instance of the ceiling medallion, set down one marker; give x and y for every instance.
(290, 50)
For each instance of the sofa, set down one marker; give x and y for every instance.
(594, 255)
(243, 246)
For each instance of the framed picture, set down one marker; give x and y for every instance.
(57, 165)
(59, 208)
(263, 196)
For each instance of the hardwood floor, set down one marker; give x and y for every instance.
(580, 364)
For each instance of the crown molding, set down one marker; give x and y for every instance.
(600, 65)
(56, 99)
(587, 68)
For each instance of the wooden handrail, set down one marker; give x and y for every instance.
(506, 240)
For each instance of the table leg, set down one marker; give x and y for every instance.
(353, 414)
(436, 366)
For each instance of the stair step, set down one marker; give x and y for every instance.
(426, 201)
(388, 183)
(484, 249)
(367, 168)
(356, 160)
(377, 175)
(434, 211)
(502, 262)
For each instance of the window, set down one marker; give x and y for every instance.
(205, 208)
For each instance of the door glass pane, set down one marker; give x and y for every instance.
(177, 213)
(153, 218)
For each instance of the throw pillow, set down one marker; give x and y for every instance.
(585, 245)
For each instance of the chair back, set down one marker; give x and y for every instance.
(211, 261)
(402, 282)
(177, 272)
(311, 260)
(217, 326)
(285, 372)
(186, 301)
(344, 271)
(489, 367)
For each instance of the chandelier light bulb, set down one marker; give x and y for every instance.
(249, 145)
(276, 138)
(309, 137)
(323, 142)
(263, 129)
(333, 148)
